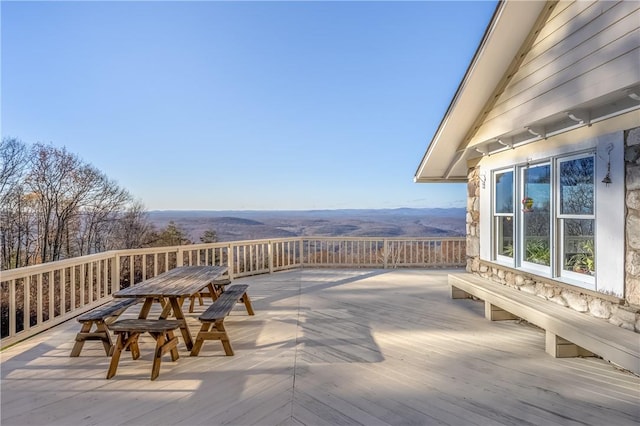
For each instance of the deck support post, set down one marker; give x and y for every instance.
(558, 347)
(456, 293)
(494, 313)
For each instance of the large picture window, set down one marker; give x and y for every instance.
(551, 230)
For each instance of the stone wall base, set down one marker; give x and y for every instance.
(613, 310)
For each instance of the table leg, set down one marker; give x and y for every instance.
(144, 311)
(184, 328)
(213, 292)
(166, 309)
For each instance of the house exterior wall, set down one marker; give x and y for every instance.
(585, 50)
(624, 312)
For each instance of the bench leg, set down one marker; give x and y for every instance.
(101, 333)
(165, 341)
(124, 341)
(115, 358)
(207, 333)
(200, 339)
(106, 340)
(224, 338)
(80, 338)
(558, 347)
(493, 313)
(247, 303)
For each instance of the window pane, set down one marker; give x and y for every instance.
(578, 250)
(504, 192)
(576, 186)
(537, 214)
(505, 235)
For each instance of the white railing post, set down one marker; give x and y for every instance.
(230, 260)
(26, 302)
(39, 300)
(385, 253)
(270, 252)
(116, 273)
(301, 252)
(180, 257)
(12, 308)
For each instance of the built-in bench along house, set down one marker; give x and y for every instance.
(545, 130)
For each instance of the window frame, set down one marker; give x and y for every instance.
(537, 268)
(560, 219)
(555, 269)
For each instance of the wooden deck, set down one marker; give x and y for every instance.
(326, 347)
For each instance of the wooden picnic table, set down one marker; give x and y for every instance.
(171, 288)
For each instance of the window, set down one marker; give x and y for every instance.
(576, 217)
(536, 217)
(551, 231)
(503, 213)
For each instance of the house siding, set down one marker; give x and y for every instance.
(585, 50)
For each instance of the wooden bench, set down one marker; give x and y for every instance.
(213, 290)
(214, 317)
(100, 317)
(128, 332)
(568, 333)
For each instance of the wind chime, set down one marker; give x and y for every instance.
(527, 202)
(607, 178)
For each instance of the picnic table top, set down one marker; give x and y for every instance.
(177, 282)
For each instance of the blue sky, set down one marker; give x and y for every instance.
(242, 105)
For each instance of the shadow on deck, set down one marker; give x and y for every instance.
(370, 347)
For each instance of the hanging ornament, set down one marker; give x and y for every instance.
(527, 202)
(607, 178)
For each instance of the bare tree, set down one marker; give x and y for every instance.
(13, 161)
(132, 229)
(14, 231)
(104, 205)
(60, 181)
(56, 206)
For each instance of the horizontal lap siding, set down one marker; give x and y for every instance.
(585, 50)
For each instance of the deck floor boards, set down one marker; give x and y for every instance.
(326, 347)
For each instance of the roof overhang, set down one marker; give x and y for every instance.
(457, 144)
(510, 26)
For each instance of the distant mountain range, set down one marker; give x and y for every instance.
(233, 225)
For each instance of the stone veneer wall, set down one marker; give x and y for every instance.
(632, 172)
(625, 313)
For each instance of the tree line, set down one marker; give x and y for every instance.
(55, 206)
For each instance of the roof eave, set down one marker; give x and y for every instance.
(488, 67)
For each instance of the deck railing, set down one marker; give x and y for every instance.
(38, 297)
